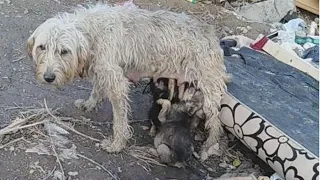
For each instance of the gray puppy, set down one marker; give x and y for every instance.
(174, 123)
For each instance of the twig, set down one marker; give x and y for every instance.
(8, 130)
(65, 126)
(84, 88)
(111, 123)
(237, 178)
(143, 158)
(96, 163)
(77, 132)
(19, 107)
(11, 142)
(56, 154)
(19, 59)
(147, 169)
(50, 173)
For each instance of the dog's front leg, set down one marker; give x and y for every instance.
(95, 97)
(117, 88)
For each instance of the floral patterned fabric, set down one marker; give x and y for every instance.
(282, 153)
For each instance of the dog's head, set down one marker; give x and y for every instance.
(59, 50)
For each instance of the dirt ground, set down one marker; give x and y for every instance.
(18, 88)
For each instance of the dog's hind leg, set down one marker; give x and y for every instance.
(211, 107)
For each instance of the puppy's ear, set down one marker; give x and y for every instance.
(30, 45)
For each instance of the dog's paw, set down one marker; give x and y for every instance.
(206, 151)
(112, 147)
(84, 105)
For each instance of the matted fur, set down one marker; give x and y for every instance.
(103, 43)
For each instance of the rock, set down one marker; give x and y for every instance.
(73, 173)
(26, 11)
(267, 11)
(207, 2)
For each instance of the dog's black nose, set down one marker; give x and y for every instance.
(49, 77)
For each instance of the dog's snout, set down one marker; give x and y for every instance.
(49, 77)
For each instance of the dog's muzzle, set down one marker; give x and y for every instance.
(49, 77)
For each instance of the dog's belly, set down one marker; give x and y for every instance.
(135, 76)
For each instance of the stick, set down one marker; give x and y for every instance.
(101, 166)
(8, 130)
(56, 154)
(236, 178)
(77, 132)
(65, 126)
(50, 173)
(19, 59)
(11, 142)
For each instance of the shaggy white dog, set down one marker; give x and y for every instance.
(113, 45)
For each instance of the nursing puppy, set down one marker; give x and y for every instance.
(174, 126)
(161, 91)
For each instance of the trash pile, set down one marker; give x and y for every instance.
(294, 35)
(233, 3)
(290, 40)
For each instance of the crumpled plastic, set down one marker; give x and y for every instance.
(312, 53)
(295, 25)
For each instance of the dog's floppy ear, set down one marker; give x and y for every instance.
(82, 62)
(30, 45)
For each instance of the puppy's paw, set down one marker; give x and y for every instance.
(152, 131)
(179, 165)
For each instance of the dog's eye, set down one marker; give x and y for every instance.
(42, 47)
(64, 51)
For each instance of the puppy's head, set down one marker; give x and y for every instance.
(195, 100)
(59, 51)
(160, 89)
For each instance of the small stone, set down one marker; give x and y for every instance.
(263, 178)
(58, 175)
(26, 11)
(228, 30)
(119, 169)
(244, 31)
(224, 165)
(145, 128)
(236, 163)
(31, 171)
(73, 173)
(207, 2)
(11, 148)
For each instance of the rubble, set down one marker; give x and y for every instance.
(266, 11)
